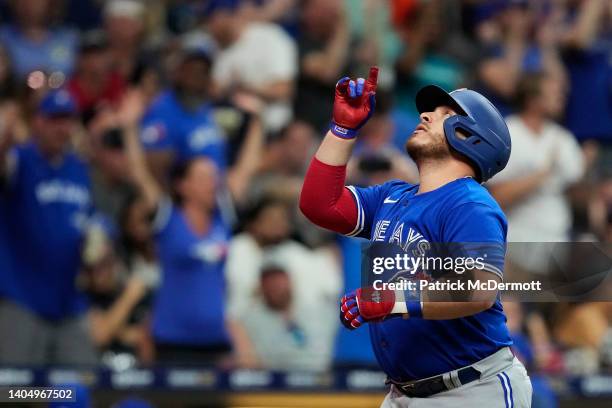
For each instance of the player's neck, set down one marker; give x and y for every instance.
(435, 174)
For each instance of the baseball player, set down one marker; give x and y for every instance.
(440, 354)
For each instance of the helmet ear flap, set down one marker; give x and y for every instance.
(462, 134)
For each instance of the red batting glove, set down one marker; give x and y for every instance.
(354, 103)
(365, 305)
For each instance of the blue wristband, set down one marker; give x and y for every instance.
(342, 132)
(415, 309)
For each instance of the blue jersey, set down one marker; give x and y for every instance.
(169, 126)
(45, 209)
(461, 211)
(55, 52)
(189, 305)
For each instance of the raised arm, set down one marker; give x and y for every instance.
(324, 199)
(8, 116)
(240, 175)
(130, 113)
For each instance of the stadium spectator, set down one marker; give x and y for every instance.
(118, 304)
(135, 32)
(284, 162)
(179, 124)
(531, 188)
(516, 37)
(94, 82)
(136, 238)
(254, 57)
(527, 352)
(587, 51)
(111, 183)
(282, 338)
(46, 203)
(282, 12)
(426, 55)
(266, 240)
(8, 80)
(583, 329)
(375, 148)
(280, 176)
(189, 320)
(33, 44)
(324, 45)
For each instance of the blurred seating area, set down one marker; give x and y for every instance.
(152, 154)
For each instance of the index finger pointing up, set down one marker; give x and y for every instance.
(373, 77)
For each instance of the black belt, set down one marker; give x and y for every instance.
(433, 385)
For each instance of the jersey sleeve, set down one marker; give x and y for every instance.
(477, 230)
(368, 200)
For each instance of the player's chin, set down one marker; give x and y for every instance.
(416, 142)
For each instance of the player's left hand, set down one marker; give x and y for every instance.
(365, 305)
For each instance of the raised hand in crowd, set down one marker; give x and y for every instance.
(8, 120)
(129, 115)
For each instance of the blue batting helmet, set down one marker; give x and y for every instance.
(487, 144)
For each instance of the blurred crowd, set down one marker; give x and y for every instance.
(152, 154)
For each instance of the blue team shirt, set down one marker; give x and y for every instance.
(55, 52)
(189, 305)
(169, 126)
(461, 211)
(45, 208)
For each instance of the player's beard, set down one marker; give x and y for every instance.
(435, 148)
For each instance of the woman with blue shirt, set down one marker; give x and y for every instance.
(189, 323)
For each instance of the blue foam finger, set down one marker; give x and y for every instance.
(360, 83)
(352, 89)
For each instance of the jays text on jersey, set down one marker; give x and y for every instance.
(461, 211)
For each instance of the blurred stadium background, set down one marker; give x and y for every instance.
(228, 296)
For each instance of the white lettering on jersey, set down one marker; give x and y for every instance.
(397, 235)
(60, 191)
(208, 252)
(203, 136)
(380, 230)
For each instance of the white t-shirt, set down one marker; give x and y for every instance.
(264, 53)
(315, 275)
(316, 281)
(544, 215)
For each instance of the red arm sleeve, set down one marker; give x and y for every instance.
(324, 199)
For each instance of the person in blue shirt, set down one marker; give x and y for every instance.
(443, 351)
(33, 44)
(179, 125)
(189, 320)
(45, 206)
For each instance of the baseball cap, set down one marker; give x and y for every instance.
(198, 45)
(125, 8)
(58, 103)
